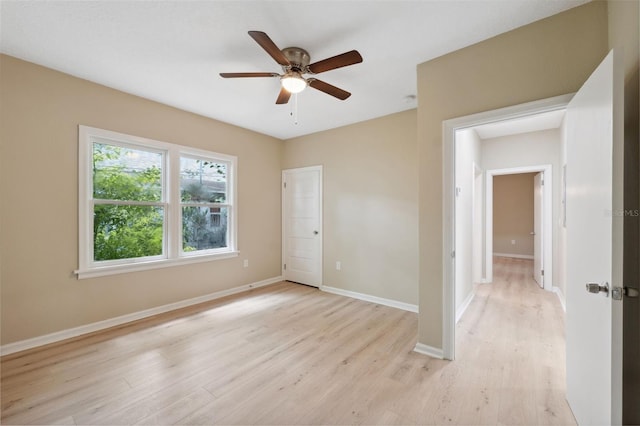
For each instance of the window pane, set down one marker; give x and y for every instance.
(126, 174)
(202, 181)
(204, 228)
(125, 232)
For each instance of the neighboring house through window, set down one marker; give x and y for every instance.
(147, 204)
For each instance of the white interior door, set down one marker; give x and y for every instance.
(593, 321)
(302, 225)
(538, 233)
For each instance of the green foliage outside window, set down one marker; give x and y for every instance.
(125, 231)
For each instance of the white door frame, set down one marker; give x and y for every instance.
(449, 128)
(547, 200)
(320, 218)
(477, 227)
(538, 229)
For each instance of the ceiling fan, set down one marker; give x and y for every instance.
(295, 63)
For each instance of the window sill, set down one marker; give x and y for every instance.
(154, 264)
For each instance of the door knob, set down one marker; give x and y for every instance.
(315, 232)
(597, 288)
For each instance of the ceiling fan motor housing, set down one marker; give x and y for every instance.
(299, 59)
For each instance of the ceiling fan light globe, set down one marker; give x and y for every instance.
(293, 84)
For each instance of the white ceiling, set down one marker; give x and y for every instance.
(172, 51)
(530, 123)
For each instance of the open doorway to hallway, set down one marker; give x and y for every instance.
(502, 308)
(510, 140)
(528, 147)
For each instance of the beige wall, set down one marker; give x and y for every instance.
(513, 214)
(40, 113)
(550, 57)
(370, 204)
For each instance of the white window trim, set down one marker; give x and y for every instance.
(172, 249)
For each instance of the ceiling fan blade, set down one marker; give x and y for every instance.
(270, 47)
(329, 89)
(283, 96)
(338, 61)
(248, 74)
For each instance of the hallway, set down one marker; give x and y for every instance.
(511, 342)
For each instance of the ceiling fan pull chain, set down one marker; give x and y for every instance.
(294, 108)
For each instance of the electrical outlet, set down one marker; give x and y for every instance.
(513, 241)
(246, 263)
(338, 265)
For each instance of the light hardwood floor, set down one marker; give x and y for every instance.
(290, 354)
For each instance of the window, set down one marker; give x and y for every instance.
(145, 204)
(203, 187)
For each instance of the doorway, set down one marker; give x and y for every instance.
(501, 147)
(544, 256)
(522, 113)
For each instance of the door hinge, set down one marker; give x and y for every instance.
(542, 272)
(285, 266)
(285, 185)
(453, 254)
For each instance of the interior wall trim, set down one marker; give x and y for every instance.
(515, 256)
(373, 299)
(561, 297)
(423, 349)
(464, 305)
(59, 336)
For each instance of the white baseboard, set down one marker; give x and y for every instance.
(423, 349)
(112, 322)
(516, 256)
(373, 299)
(561, 297)
(465, 304)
